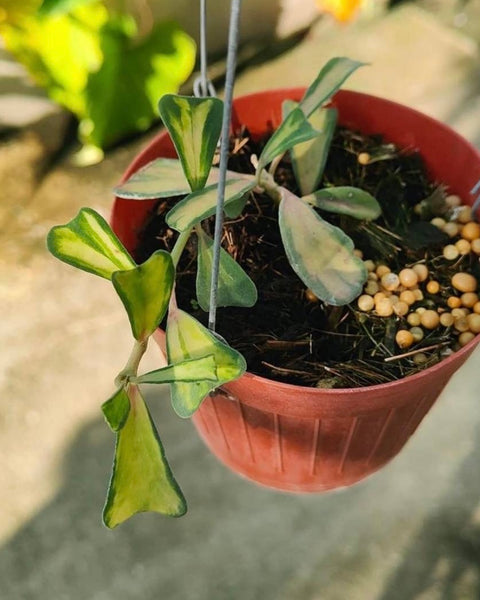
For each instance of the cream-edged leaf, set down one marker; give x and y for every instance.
(319, 253)
(328, 81)
(202, 204)
(141, 478)
(194, 125)
(294, 129)
(346, 200)
(161, 178)
(235, 288)
(196, 369)
(187, 339)
(309, 158)
(88, 243)
(145, 292)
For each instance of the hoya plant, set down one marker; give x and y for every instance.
(198, 360)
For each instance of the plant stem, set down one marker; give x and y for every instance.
(131, 368)
(269, 185)
(179, 246)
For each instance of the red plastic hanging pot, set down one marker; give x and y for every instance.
(306, 439)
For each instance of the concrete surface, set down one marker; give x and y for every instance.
(410, 532)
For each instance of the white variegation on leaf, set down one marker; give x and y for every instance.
(346, 200)
(202, 204)
(328, 81)
(319, 253)
(309, 158)
(88, 243)
(187, 339)
(294, 129)
(196, 369)
(194, 125)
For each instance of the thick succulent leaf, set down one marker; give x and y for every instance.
(319, 253)
(293, 130)
(161, 178)
(346, 200)
(235, 288)
(88, 243)
(235, 208)
(141, 478)
(202, 204)
(116, 409)
(58, 7)
(145, 292)
(196, 369)
(309, 158)
(328, 81)
(186, 339)
(194, 125)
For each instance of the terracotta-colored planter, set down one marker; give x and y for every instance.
(305, 439)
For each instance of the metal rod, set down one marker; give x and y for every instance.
(233, 32)
(203, 48)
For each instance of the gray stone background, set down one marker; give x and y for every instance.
(410, 532)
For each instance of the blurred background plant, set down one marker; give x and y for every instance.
(106, 65)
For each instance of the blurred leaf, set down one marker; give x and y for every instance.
(196, 369)
(202, 204)
(141, 478)
(58, 7)
(194, 125)
(186, 339)
(116, 409)
(293, 130)
(328, 81)
(309, 158)
(161, 178)
(145, 292)
(88, 243)
(122, 95)
(319, 253)
(346, 200)
(235, 288)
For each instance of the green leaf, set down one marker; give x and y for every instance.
(235, 288)
(196, 369)
(88, 243)
(293, 130)
(319, 253)
(309, 158)
(145, 292)
(141, 478)
(346, 200)
(202, 204)
(328, 81)
(194, 125)
(121, 97)
(116, 409)
(186, 339)
(58, 7)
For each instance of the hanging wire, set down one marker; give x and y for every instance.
(202, 86)
(233, 32)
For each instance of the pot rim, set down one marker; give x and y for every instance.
(296, 92)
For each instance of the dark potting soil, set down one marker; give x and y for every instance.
(289, 335)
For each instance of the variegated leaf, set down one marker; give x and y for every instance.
(194, 125)
(186, 339)
(141, 479)
(116, 409)
(202, 204)
(196, 369)
(88, 243)
(346, 200)
(145, 292)
(235, 288)
(319, 253)
(309, 158)
(328, 81)
(293, 130)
